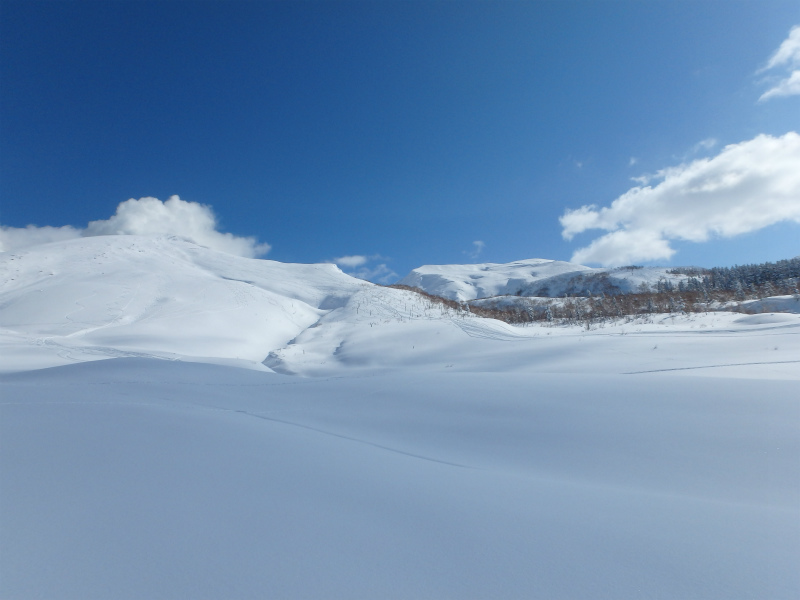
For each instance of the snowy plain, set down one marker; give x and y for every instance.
(286, 431)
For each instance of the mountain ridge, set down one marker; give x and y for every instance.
(533, 277)
(165, 297)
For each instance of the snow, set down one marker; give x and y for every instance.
(533, 277)
(385, 329)
(388, 446)
(116, 296)
(775, 304)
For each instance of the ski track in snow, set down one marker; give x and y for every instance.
(745, 364)
(345, 437)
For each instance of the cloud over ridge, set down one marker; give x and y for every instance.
(145, 216)
(355, 260)
(746, 187)
(358, 265)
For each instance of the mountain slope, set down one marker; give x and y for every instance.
(163, 297)
(157, 296)
(532, 277)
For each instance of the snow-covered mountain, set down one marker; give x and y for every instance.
(379, 444)
(158, 296)
(533, 277)
(165, 297)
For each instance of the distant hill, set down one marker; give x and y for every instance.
(165, 297)
(534, 277)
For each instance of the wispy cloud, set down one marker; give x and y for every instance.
(787, 59)
(746, 187)
(351, 261)
(15, 238)
(786, 87)
(358, 265)
(146, 216)
(477, 249)
(379, 273)
(706, 144)
(788, 53)
(700, 148)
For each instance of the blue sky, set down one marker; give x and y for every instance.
(405, 132)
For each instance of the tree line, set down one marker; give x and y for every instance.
(747, 281)
(704, 290)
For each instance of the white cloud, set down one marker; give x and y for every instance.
(632, 161)
(357, 266)
(379, 273)
(706, 144)
(746, 187)
(788, 53)
(146, 216)
(787, 87)
(477, 248)
(787, 56)
(190, 220)
(350, 261)
(15, 238)
(624, 247)
(700, 147)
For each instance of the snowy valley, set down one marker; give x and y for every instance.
(286, 430)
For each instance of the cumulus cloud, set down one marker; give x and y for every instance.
(624, 247)
(746, 187)
(358, 265)
(190, 220)
(787, 58)
(701, 147)
(146, 216)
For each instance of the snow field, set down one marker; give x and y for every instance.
(378, 444)
(430, 337)
(137, 478)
